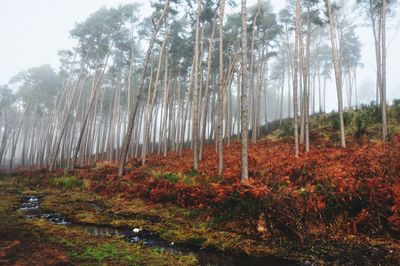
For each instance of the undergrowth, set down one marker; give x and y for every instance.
(67, 182)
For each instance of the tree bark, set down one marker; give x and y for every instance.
(383, 86)
(254, 130)
(244, 98)
(295, 78)
(221, 90)
(196, 89)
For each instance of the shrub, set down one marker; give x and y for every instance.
(287, 129)
(366, 116)
(396, 109)
(335, 120)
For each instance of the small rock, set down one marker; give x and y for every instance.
(137, 230)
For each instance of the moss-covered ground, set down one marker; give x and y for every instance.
(37, 242)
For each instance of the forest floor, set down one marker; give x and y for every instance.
(331, 206)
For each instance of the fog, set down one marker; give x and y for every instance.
(76, 80)
(32, 32)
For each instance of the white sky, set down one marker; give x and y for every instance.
(33, 31)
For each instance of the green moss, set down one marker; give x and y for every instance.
(103, 252)
(85, 249)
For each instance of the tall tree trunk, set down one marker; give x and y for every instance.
(179, 113)
(3, 143)
(67, 111)
(338, 74)
(148, 111)
(254, 130)
(187, 110)
(207, 89)
(383, 86)
(164, 126)
(15, 141)
(196, 89)
(244, 98)
(295, 78)
(282, 90)
(150, 102)
(90, 107)
(307, 81)
(377, 32)
(132, 114)
(355, 87)
(221, 89)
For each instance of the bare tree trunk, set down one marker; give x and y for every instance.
(302, 89)
(229, 108)
(90, 107)
(376, 29)
(138, 132)
(236, 123)
(307, 81)
(207, 91)
(185, 117)
(196, 89)
(355, 87)
(221, 90)
(129, 86)
(113, 119)
(254, 130)
(350, 89)
(15, 141)
(257, 98)
(148, 111)
(319, 88)
(282, 90)
(151, 99)
(67, 112)
(295, 77)
(3, 143)
(244, 98)
(165, 110)
(324, 98)
(383, 86)
(338, 74)
(179, 114)
(132, 114)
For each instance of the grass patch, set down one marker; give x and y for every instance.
(67, 182)
(103, 252)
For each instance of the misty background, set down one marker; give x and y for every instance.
(32, 32)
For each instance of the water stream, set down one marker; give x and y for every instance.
(31, 209)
